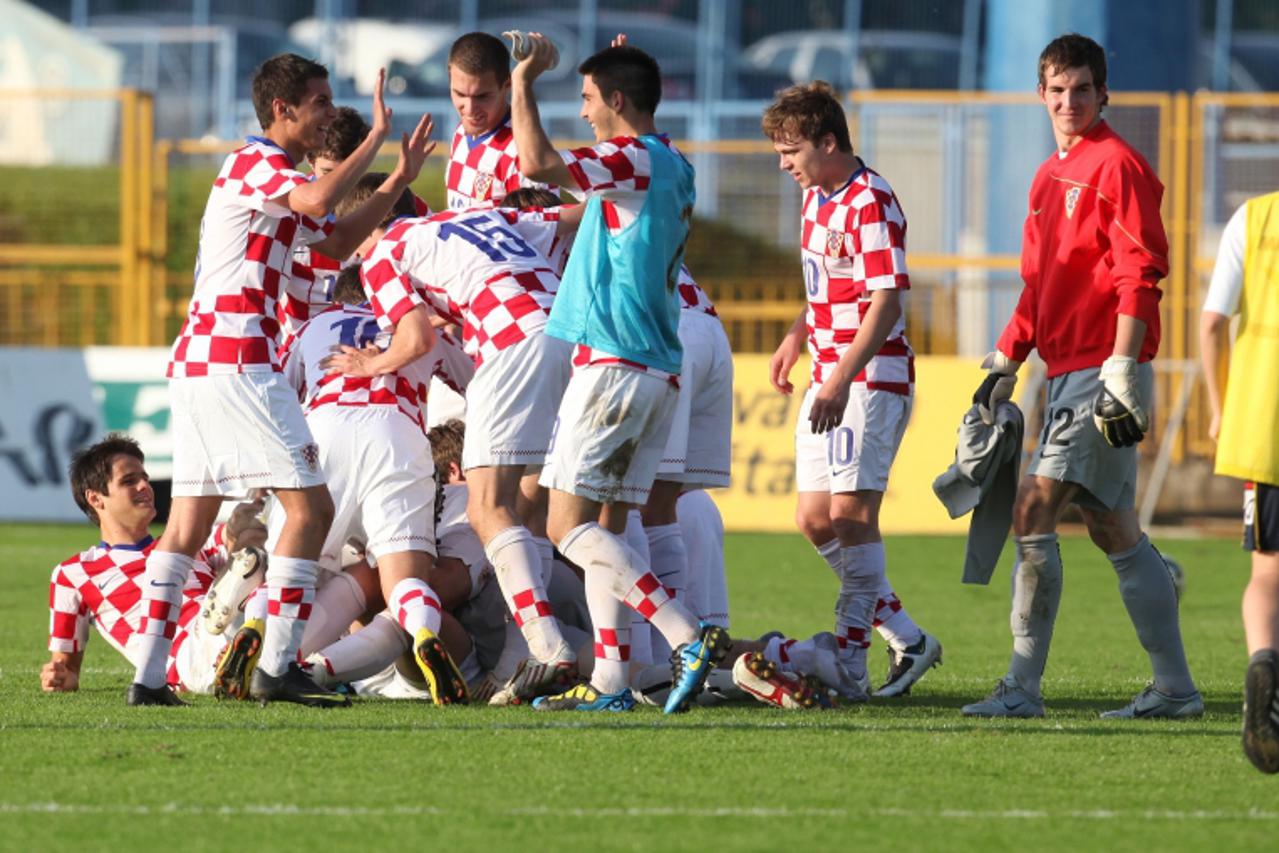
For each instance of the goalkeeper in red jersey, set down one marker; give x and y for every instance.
(1093, 253)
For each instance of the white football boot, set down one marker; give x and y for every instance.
(227, 595)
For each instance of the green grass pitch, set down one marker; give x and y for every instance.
(83, 771)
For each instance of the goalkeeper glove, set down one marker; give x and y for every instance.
(1117, 410)
(997, 386)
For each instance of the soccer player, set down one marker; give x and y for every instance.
(618, 303)
(1093, 252)
(1244, 427)
(486, 270)
(859, 396)
(377, 461)
(236, 423)
(484, 164)
(110, 484)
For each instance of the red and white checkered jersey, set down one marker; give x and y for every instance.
(354, 326)
(308, 290)
(484, 269)
(484, 168)
(101, 586)
(619, 169)
(852, 243)
(691, 295)
(247, 239)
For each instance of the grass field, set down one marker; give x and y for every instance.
(83, 771)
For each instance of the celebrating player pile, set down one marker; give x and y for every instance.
(597, 381)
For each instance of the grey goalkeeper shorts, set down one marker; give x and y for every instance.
(1072, 450)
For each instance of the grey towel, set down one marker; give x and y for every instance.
(983, 480)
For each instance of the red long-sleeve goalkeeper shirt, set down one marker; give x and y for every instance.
(1093, 247)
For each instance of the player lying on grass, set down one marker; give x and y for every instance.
(100, 586)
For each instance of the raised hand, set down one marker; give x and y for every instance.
(415, 148)
(381, 112)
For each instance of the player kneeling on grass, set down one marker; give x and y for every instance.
(101, 585)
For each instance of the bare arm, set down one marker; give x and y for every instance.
(413, 338)
(829, 403)
(352, 230)
(569, 219)
(539, 161)
(779, 366)
(1212, 333)
(318, 198)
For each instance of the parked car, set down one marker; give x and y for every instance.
(886, 59)
(673, 42)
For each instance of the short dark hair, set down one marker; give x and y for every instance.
(364, 189)
(90, 468)
(285, 77)
(807, 111)
(628, 70)
(446, 444)
(526, 197)
(344, 135)
(348, 289)
(476, 53)
(1074, 51)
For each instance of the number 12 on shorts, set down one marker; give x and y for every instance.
(839, 446)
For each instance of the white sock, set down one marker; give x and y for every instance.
(514, 652)
(641, 640)
(892, 621)
(669, 559)
(364, 653)
(415, 606)
(338, 602)
(162, 582)
(612, 623)
(518, 567)
(590, 545)
(290, 584)
(546, 551)
(256, 604)
(863, 575)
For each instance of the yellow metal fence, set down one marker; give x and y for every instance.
(125, 277)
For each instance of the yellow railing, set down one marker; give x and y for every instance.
(57, 294)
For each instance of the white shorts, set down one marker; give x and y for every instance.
(236, 432)
(857, 455)
(512, 401)
(608, 439)
(382, 479)
(700, 448)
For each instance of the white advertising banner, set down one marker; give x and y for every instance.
(48, 413)
(59, 400)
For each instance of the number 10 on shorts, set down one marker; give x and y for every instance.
(839, 446)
